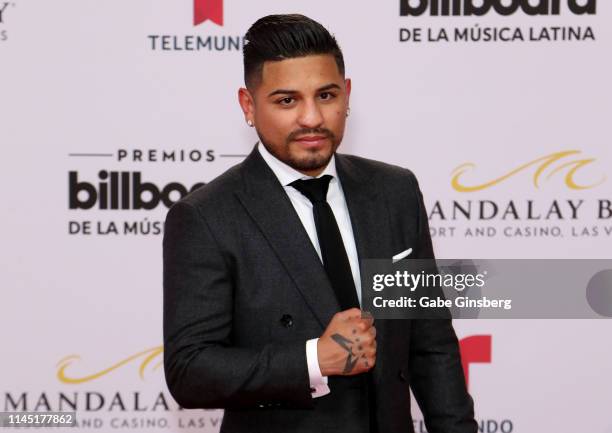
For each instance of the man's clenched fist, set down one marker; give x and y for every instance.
(348, 345)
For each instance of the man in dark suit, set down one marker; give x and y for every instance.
(261, 267)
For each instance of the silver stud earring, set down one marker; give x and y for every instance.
(250, 123)
(348, 111)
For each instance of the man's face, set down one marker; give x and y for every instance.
(299, 110)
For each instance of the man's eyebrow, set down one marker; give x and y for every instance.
(329, 87)
(282, 92)
(292, 92)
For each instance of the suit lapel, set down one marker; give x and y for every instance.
(369, 215)
(267, 203)
(367, 209)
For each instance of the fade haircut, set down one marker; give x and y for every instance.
(279, 37)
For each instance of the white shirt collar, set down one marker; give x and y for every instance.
(287, 174)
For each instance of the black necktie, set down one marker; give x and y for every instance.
(335, 260)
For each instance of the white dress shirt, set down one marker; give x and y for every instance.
(303, 207)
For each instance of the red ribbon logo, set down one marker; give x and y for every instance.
(474, 349)
(207, 10)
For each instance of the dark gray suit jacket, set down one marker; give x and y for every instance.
(244, 289)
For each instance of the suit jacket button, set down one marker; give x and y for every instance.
(287, 321)
(402, 376)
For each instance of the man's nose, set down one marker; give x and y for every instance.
(310, 115)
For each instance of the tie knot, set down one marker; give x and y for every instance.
(314, 189)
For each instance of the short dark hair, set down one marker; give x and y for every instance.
(279, 37)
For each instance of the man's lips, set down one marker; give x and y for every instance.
(312, 142)
(311, 138)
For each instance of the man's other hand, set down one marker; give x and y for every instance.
(348, 345)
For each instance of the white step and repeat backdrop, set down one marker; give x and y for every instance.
(109, 111)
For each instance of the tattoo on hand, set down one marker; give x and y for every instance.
(351, 360)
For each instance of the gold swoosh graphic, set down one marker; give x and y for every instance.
(149, 355)
(543, 163)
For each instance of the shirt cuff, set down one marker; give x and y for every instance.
(318, 382)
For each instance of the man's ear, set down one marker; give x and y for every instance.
(247, 103)
(347, 85)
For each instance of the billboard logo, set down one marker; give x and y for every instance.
(123, 191)
(482, 7)
(570, 166)
(207, 10)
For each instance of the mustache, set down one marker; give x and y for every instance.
(310, 131)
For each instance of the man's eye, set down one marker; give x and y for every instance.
(326, 96)
(285, 101)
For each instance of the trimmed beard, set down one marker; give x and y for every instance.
(314, 161)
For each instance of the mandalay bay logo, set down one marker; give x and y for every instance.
(569, 161)
(108, 397)
(147, 357)
(581, 206)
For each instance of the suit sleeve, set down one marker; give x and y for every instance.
(203, 368)
(437, 378)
